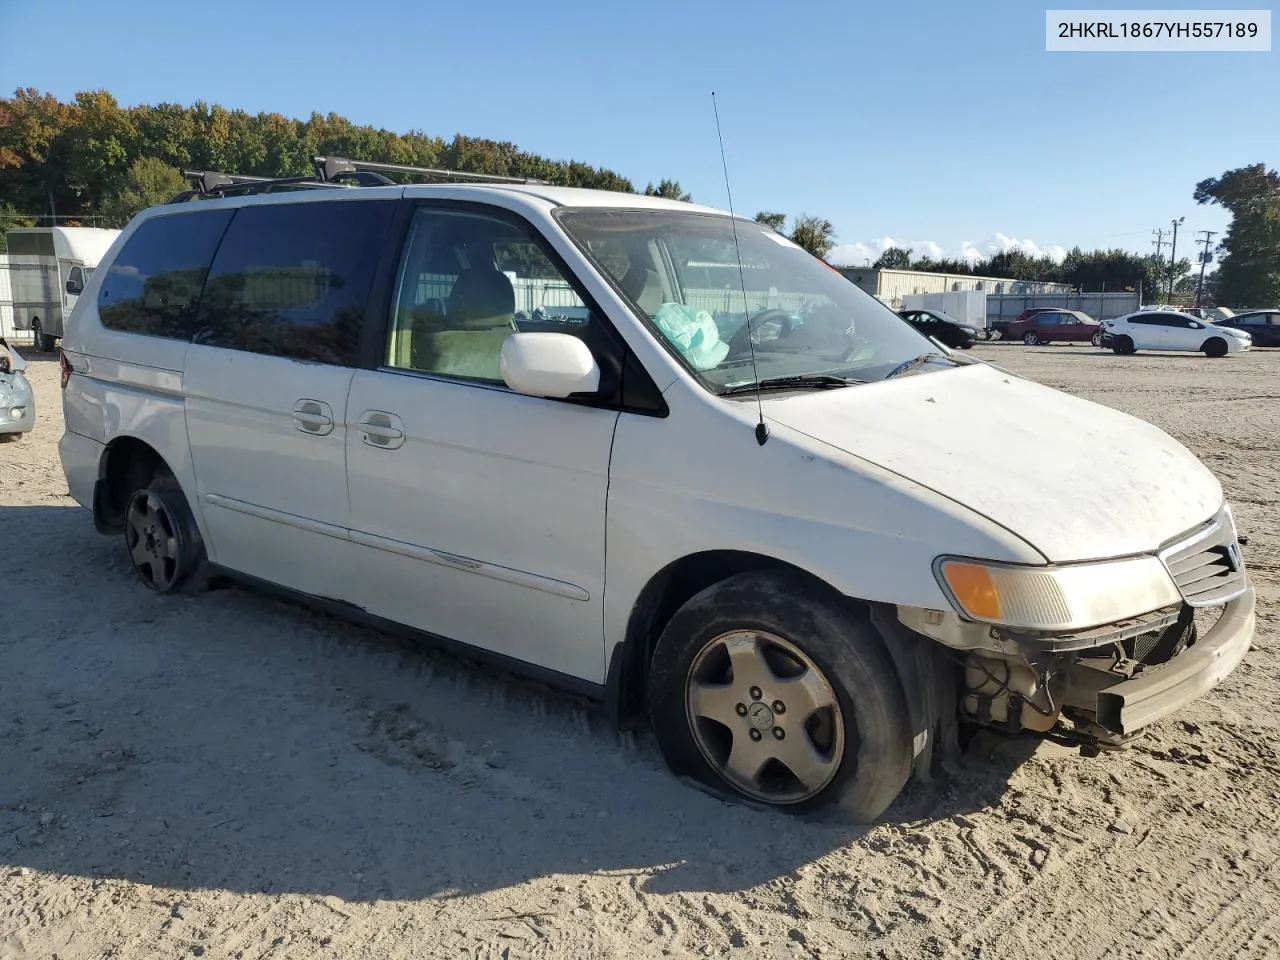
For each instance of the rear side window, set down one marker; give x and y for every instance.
(292, 280)
(153, 286)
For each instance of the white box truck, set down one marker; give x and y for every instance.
(48, 267)
(967, 306)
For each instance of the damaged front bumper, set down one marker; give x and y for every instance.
(1122, 706)
(1096, 688)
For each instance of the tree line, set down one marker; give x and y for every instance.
(91, 160)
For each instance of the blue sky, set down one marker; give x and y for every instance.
(938, 123)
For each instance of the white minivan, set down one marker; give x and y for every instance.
(651, 453)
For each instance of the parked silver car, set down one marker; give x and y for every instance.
(17, 401)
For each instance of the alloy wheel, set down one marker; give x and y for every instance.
(764, 716)
(152, 539)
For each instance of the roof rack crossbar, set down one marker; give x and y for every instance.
(330, 172)
(328, 167)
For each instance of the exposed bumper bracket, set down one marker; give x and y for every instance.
(1130, 705)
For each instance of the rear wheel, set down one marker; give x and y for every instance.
(1124, 345)
(161, 537)
(1215, 347)
(766, 688)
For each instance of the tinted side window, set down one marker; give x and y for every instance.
(153, 286)
(292, 280)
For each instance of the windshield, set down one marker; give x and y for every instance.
(680, 273)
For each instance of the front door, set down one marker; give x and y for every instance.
(266, 381)
(478, 514)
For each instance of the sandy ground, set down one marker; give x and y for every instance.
(228, 776)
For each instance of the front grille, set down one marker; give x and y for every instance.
(1206, 564)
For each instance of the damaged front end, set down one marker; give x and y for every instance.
(1101, 687)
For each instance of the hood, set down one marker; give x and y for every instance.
(1075, 479)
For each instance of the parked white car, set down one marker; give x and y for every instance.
(530, 422)
(1171, 330)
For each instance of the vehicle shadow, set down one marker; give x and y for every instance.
(231, 741)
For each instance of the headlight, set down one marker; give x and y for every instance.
(1072, 597)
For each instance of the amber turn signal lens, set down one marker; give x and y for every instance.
(973, 589)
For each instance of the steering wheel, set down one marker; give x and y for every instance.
(738, 344)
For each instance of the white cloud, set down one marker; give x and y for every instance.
(859, 253)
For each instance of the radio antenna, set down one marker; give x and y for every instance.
(762, 428)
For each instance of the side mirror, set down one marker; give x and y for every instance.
(548, 365)
(75, 287)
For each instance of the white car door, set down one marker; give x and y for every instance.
(479, 513)
(1182, 333)
(266, 382)
(1144, 330)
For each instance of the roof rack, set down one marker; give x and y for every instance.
(329, 172)
(328, 168)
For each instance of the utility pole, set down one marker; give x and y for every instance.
(1204, 261)
(1159, 242)
(1173, 254)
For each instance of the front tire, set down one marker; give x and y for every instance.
(767, 688)
(1096, 340)
(1215, 347)
(1031, 339)
(161, 538)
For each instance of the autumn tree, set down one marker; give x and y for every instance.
(67, 161)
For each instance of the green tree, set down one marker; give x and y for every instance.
(895, 258)
(1248, 273)
(670, 189)
(150, 181)
(814, 234)
(775, 221)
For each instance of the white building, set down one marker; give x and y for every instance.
(891, 285)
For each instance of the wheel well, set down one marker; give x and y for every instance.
(127, 464)
(665, 593)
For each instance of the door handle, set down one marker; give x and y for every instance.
(313, 416)
(381, 429)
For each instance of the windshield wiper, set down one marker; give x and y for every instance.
(922, 359)
(804, 381)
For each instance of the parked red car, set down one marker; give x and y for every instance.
(1048, 326)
